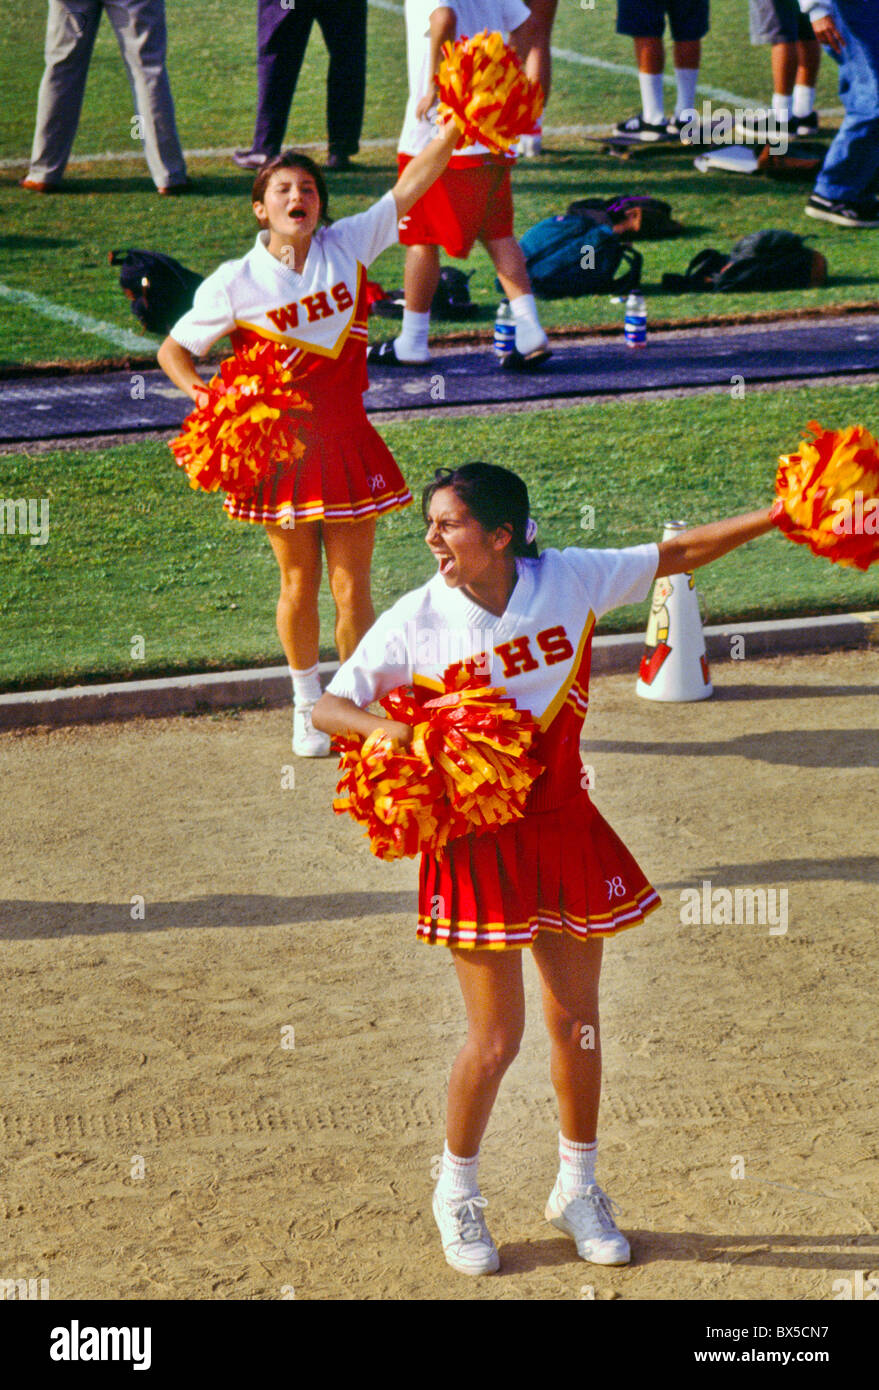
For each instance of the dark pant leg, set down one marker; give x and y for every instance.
(344, 31)
(282, 37)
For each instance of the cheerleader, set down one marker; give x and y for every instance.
(558, 880)
(303, 287)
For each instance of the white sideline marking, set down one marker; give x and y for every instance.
(98, 328)
(226, 152)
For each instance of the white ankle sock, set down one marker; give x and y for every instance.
(803, 100)
(686, 79)
(781, 105)
(458, 1175)
(412, 344)
(576, 1164)
(529, 334)
(651, 97)
(306, 686)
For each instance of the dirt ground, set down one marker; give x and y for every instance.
(239, 1094)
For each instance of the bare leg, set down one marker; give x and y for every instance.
(649, 55)
(491, 983)
(421, 277)
(569, 974)
(298, 554)
(349, 546)
(784, 68)
(509, 262)
(688, 53)
(808, 62)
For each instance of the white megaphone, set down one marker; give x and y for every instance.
(675, 664)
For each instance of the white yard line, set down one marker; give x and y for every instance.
(96, 328)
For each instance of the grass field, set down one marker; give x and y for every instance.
(134, 553)
(56, 247)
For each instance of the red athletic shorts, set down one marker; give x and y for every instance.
(461, 207)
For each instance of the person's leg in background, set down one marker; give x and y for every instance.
(845, 190)
(142, 35)
(70, 37)
(282, 38)
(344, 31)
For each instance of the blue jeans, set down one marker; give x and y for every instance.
(850, 172)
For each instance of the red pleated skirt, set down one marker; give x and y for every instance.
(347, 473)
(562, 870)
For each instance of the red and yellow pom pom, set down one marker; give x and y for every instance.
(483, 88)
(246, 429)
(828, 495)
(466, 770)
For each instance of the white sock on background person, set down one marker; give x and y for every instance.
(412, 344)
(781, 106)
(458, 1175)
(686, 79)
(529, 334)
(576, 1165)
(651, 97)
(306, 686)
(803, 100)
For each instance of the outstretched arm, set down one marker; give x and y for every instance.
(703, 544)
(424, 169)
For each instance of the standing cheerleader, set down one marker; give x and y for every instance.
(303, 288)
(559, 879)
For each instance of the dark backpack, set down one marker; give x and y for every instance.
(648, 218)
(161, 290)
(568, 256)
(765, 260)
(451, 301)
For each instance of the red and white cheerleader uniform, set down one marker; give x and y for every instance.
(472, 198)
(561, 867)
(317, 319)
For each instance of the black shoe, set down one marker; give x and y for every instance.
(515, 362)
(338, 163)
(250, 159)
(864, 214)
(804, 125)
(636, 128)
(385, 355)
(174, 190)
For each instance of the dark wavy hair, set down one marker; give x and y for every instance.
(494, 495)
(292, 159)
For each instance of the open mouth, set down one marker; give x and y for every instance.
(297, 214)
(445, 563)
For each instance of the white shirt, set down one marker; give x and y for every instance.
(497, 16)
(532, 649)
(313, 309)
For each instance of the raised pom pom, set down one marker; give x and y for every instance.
(482, 87)
(246, 429)
(828, 495)
(466, 770)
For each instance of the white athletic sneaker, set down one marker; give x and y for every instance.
(308, 742)
(588, 1219)
(466, 1243)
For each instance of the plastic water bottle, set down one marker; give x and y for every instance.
(636, 320)
(504, 330)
